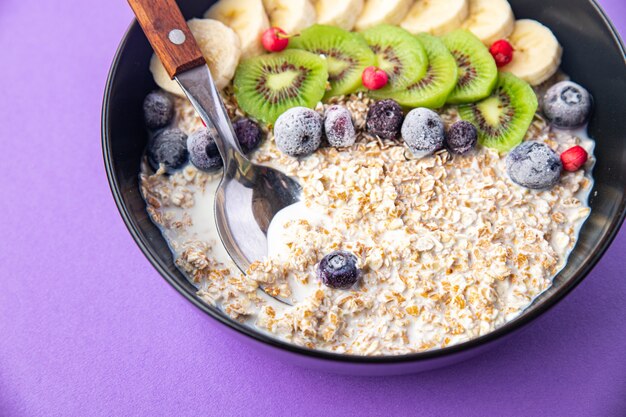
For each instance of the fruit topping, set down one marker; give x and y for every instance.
(290, 15)
(340, 13)
(574, 158)
(158, 110)
(477, 71)
(220, 47)
(399, 54)
(374, 78)
(537, 52)
(346, 55)
(338, 269)
(248, 133)
(247, 18)
(567, 104)
(376, 12)
(490, 20)
(298, 131)
(203, 152)
(502, 52)
(423, 132)
(503, 118)
(435, 17)
(268, 85)
(338, 127)
(169, 149)
(274, 40)
(461, 137)
(435, 86)
(533, 165)
(384, 119)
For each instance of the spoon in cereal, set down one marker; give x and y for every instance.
(249, 195)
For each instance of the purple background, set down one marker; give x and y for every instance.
(88, 327)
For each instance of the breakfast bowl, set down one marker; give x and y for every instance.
(593, 56)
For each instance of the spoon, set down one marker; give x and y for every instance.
(249, 195)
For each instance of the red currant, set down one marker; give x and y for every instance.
(275, 39)
(574, 158)
(502, 52)
(374, 78)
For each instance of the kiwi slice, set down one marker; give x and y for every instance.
(433, 88)
(476, 67)
(346, 55)
(268, 85)
(503, 118)
(399, 54)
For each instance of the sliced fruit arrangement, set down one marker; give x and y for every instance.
(399, 54)
(490, 20)
(340, 13)
(247, 18)
(267, 86)
(537, 52)
(376, 12)
(220, 46)
(477, 71)
(435, 86)
(346, 54)
(291, 16)
(503, 118)
(436, 17)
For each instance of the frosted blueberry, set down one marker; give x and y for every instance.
(248, 133)
(158, 110)
(338, 270)
(423, 132)
(169, 149)
(567, 104)
(461, 137)
(298, 131)
(203, 152)
(384, 119)
(533, 165)
(339, 127)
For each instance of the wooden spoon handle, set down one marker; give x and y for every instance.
(169, 35)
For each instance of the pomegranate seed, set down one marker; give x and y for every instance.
(275, 39)
(374, 78)
(502, 52)
(574, 158)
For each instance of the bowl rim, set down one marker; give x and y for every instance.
(508, 328)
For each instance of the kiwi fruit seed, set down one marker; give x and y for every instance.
(433, 88)
(503, 118)
(346, 55)
(477, 71)
(399, 54)
(268, 85)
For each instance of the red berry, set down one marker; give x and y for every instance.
(374, 78)
(502, 52)
(574, 158)
(275, 39)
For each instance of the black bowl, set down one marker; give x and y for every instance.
(593, 56)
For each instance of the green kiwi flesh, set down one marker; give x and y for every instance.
(268, 85)
(477, 71)
(503, 118)
(399, 54)
(435, 86)
(346, 55)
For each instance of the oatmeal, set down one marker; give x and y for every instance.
(449, 247)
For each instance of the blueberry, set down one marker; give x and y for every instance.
(534, 165)
(566, 104)
(461, 137)
(384, 119)
(168, 148)
(158, 110)
(248, 133)
(339, 127)
(203, 152)
(298, 131)
(338, 270)
(423, 132)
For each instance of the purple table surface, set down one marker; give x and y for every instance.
(88, 327)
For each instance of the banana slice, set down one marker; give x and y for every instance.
(537, 53)
(490, 20)
(290, 15)
(341, 13)
(382, 11)
(247, 18)
(220, 46)
(435, 16)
